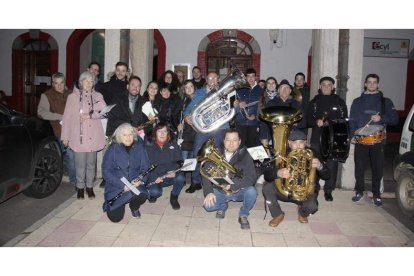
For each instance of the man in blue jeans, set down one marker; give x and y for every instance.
(216, 197)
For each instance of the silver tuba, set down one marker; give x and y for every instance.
(214, 109)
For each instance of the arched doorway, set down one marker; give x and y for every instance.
(224, 47)
(34, 60)
(73, 53)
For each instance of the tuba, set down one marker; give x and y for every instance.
(214, 109)
(299, 162)
(216, 166)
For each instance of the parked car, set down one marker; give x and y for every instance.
(30, 156)
(404, 172)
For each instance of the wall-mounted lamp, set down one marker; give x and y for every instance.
(276, 38)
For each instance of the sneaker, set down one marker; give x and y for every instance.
(377, 201)
(136, 213)
(221, 214)
(357, 197)
(244, 223)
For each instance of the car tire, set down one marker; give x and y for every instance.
(47, 174)
(404, 192)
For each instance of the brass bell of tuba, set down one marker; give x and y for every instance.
(214, 165)
(214, 109)
(299, 162)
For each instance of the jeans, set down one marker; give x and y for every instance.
(177, 182)
(199, 140)
(246, 195)
(69, 159)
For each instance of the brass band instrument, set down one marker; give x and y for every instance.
(299, 162)
(214, 109)
(217, 165)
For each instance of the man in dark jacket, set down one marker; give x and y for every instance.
(296, 140)
(113, 88)
(128, 108)
(216, 197)
(371, 108)
(325, 108)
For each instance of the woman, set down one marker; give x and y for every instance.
(170, 78)
(168, 107)
(268, 94)
(166, 155)
(187, 132)
(82, 131)
(150, 95)
(125, 157)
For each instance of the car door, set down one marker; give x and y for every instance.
(15, 150)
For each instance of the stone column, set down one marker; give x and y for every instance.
(141, 54)
(112, 47)
(355, 85)
(124, 46)
(325, 45)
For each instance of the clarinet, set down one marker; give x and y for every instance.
(139, 178)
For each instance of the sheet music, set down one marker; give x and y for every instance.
(148, 110)
(130, 186)
(106, 110)
(192, 162)
(258, 153)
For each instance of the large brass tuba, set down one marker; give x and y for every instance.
(299, 162)
(216, 165)
(214, 109)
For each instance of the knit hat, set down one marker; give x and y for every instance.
(327, 79)
(284, 82)
(296, 135)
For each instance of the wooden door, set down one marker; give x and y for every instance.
(37, 78)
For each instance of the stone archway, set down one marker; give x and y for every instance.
(243, 36)
(18, 63)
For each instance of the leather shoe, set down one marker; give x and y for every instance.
(91, 194)
(81, 193)
(152, 199)
(328, 197)
(302, 219)
(193, 188)
(276, 220)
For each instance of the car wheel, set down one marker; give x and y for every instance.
(47, 174)
(405, 192)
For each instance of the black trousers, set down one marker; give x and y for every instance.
(270, 193)
(117, 214)
(374, 154)
(330, 183)
(248, 135)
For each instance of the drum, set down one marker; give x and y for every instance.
(335, 141)
(370, 134)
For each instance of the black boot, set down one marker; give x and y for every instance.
(91, 194)
(174, 202)
(102, 185)
(81, 193)
(193, 188)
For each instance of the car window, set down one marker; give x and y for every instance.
(4, 116)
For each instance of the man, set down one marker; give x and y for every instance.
(301, 90)
(371, 108)
(246, 116)
(128, 108)
(113, 88)
(51, 107)
(198, 80)
(217, 135)
(326, 105)
(296, 140)
(215, 198)
(283, 98)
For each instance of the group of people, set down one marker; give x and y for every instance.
(147, 138)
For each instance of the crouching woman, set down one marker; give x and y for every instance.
(127, 158)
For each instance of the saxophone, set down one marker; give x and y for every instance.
(299, 162)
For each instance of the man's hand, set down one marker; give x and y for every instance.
(375, 118)
(209, 200)
(316, 163)
(188, 120)
(283, 173)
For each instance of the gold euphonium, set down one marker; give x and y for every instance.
(299, 162)
(214, 165)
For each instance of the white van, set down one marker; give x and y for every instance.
(404, 172)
